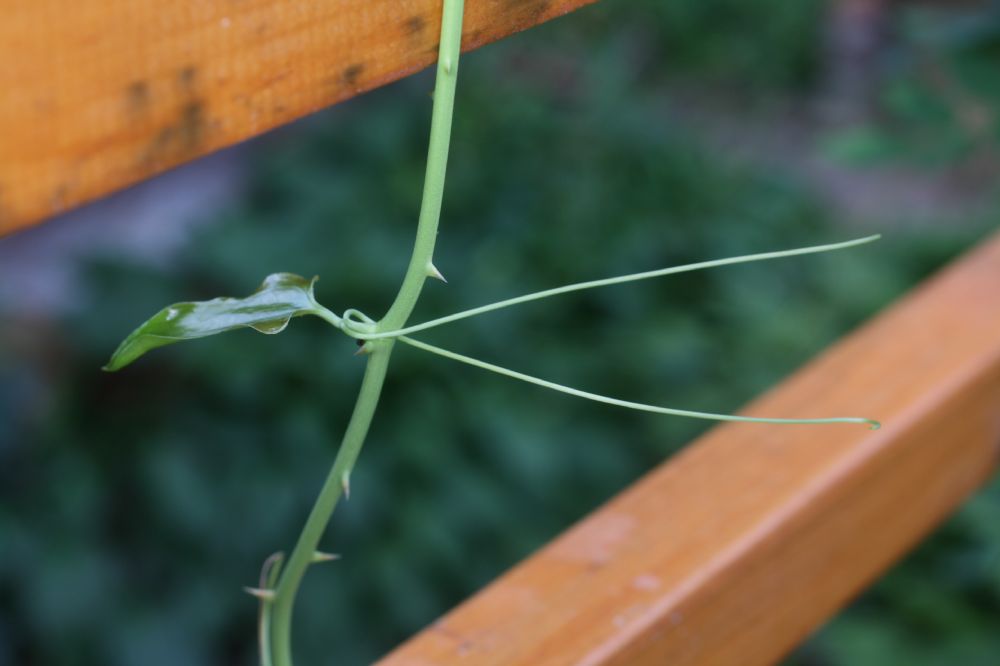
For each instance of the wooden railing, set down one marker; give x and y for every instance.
(101, 94)
(730, 553)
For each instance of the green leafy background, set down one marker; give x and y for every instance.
(134, 506)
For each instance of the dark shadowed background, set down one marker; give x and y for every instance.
(627, 136)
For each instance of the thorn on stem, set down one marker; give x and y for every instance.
(345, 483)
(433, 272)
(319, 557)
(264, 595)
(363, 348)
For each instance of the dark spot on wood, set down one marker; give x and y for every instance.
(187, 76)
(462, 645)
(350, 74)
(530, 10)
(336, 89)
(182, 137)
(179, 140)
(44, 106)
(60, 198)
(473, 39)
(137, 97)
(158, 149)
(414, 25)
(276, 78)
(191, 125)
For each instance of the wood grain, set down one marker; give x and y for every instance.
(100, 94)
(734, 551)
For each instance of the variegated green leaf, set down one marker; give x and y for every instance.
(280, 297)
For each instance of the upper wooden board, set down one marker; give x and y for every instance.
(100, 94)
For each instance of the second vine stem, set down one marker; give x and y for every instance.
(281, 604)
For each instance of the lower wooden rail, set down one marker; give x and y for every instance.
(734, 551)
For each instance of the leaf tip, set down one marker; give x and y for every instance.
(116, 362)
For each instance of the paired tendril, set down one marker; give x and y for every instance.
(363, 328)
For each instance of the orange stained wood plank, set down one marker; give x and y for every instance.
(99, 94)
(739, 547)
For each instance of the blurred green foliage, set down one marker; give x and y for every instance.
(939, 99)
(134, 506)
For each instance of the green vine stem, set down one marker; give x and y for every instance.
(421, 266)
